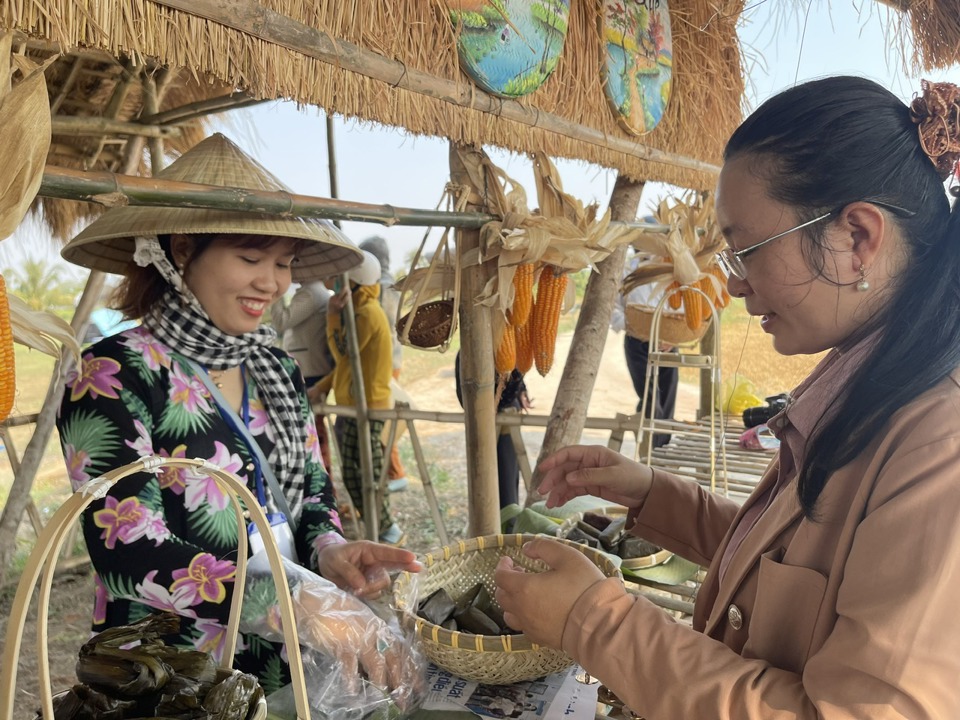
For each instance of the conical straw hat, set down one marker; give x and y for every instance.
(108, 243)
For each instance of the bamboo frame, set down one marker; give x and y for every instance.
(76, 125)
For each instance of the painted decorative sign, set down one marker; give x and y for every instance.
(509, 47)
(639, 61)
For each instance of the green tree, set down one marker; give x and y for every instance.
(42, 286)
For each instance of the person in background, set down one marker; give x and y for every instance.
(390, 302)
(513, 398)
(201, 377)
(373, 338)
(302, 326)
(831, 592)
(637, 353)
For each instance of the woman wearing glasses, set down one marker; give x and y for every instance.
(831, 592)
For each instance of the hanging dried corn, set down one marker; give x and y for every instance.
(546, 316)
(673, 297)
(505, 359)
(8, 378)
(522, 295)
(692, 308)
(523, 336)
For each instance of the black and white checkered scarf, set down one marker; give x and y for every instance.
(183, 326)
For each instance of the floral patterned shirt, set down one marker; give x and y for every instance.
(168, 540)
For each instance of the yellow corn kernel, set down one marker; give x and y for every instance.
(8, 368)
(522, 295)
(546, 316)
(673, 297)
(692, 308)
(505, 359)
(523, 339)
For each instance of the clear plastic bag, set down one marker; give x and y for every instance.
(357, 660)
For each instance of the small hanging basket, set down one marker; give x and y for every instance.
(428, 325)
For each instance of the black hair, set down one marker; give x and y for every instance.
(820, 146)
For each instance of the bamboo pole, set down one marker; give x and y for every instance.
(111, 189)
(476, 375)
(79, 126)
(201, 108)
(253, 18)
(580, 370)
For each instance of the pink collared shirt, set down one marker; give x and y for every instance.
(818, 395)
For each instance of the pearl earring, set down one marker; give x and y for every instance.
(863, 285)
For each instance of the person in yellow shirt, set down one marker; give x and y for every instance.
(376, 349)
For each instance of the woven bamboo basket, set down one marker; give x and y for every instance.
(42, 563)
(430, 327)
(490, 659)
(673, 328)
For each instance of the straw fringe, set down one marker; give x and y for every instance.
(704, 109)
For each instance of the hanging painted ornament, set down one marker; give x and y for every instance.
(509, 47)
(638, 61)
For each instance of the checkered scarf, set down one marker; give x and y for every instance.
(183, 326)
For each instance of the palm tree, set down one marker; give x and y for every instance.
(42, 286)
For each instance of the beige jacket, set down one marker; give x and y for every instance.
(855, 615)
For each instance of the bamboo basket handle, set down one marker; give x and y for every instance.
(50, 541)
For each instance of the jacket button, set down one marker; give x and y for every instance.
(250, 467)
(735, 617)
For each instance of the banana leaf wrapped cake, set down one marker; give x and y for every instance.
(129, 672)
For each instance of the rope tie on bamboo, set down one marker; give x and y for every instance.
(937, 115)
(402, 77)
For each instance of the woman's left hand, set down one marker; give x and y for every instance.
(538, 604)
(361, 567)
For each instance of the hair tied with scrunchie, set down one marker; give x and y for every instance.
(937, 115)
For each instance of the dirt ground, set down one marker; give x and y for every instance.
(444, 449)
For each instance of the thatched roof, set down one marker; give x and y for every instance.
(389, 62)
(934, 26)
(416, 39)
(87, 87)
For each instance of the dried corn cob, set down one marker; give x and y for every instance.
(692, 308)
(505, 359)
(546, 317)
(522, 295)
(8, 378)
(523, 336)
(673, 298)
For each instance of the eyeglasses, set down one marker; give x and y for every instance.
(731, 261)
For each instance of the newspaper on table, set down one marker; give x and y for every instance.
(561, 696)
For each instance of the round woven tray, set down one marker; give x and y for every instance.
(431, 324)
(490, 659)
(673, 328)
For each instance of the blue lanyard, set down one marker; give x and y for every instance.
(245, 416)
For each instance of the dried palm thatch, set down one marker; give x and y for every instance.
(94, 85)
(934, 26)
(704, 109)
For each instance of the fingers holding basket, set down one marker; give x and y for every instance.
(538, 603)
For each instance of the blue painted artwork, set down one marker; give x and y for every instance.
(509, 47)
(639, 61)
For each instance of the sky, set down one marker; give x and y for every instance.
(381, 165)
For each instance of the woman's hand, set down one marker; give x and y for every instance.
(341, 626)
(361, 567)
(593, 470)
(337, 302)
(538, 604)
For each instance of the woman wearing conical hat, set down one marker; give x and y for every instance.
(200, 377)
